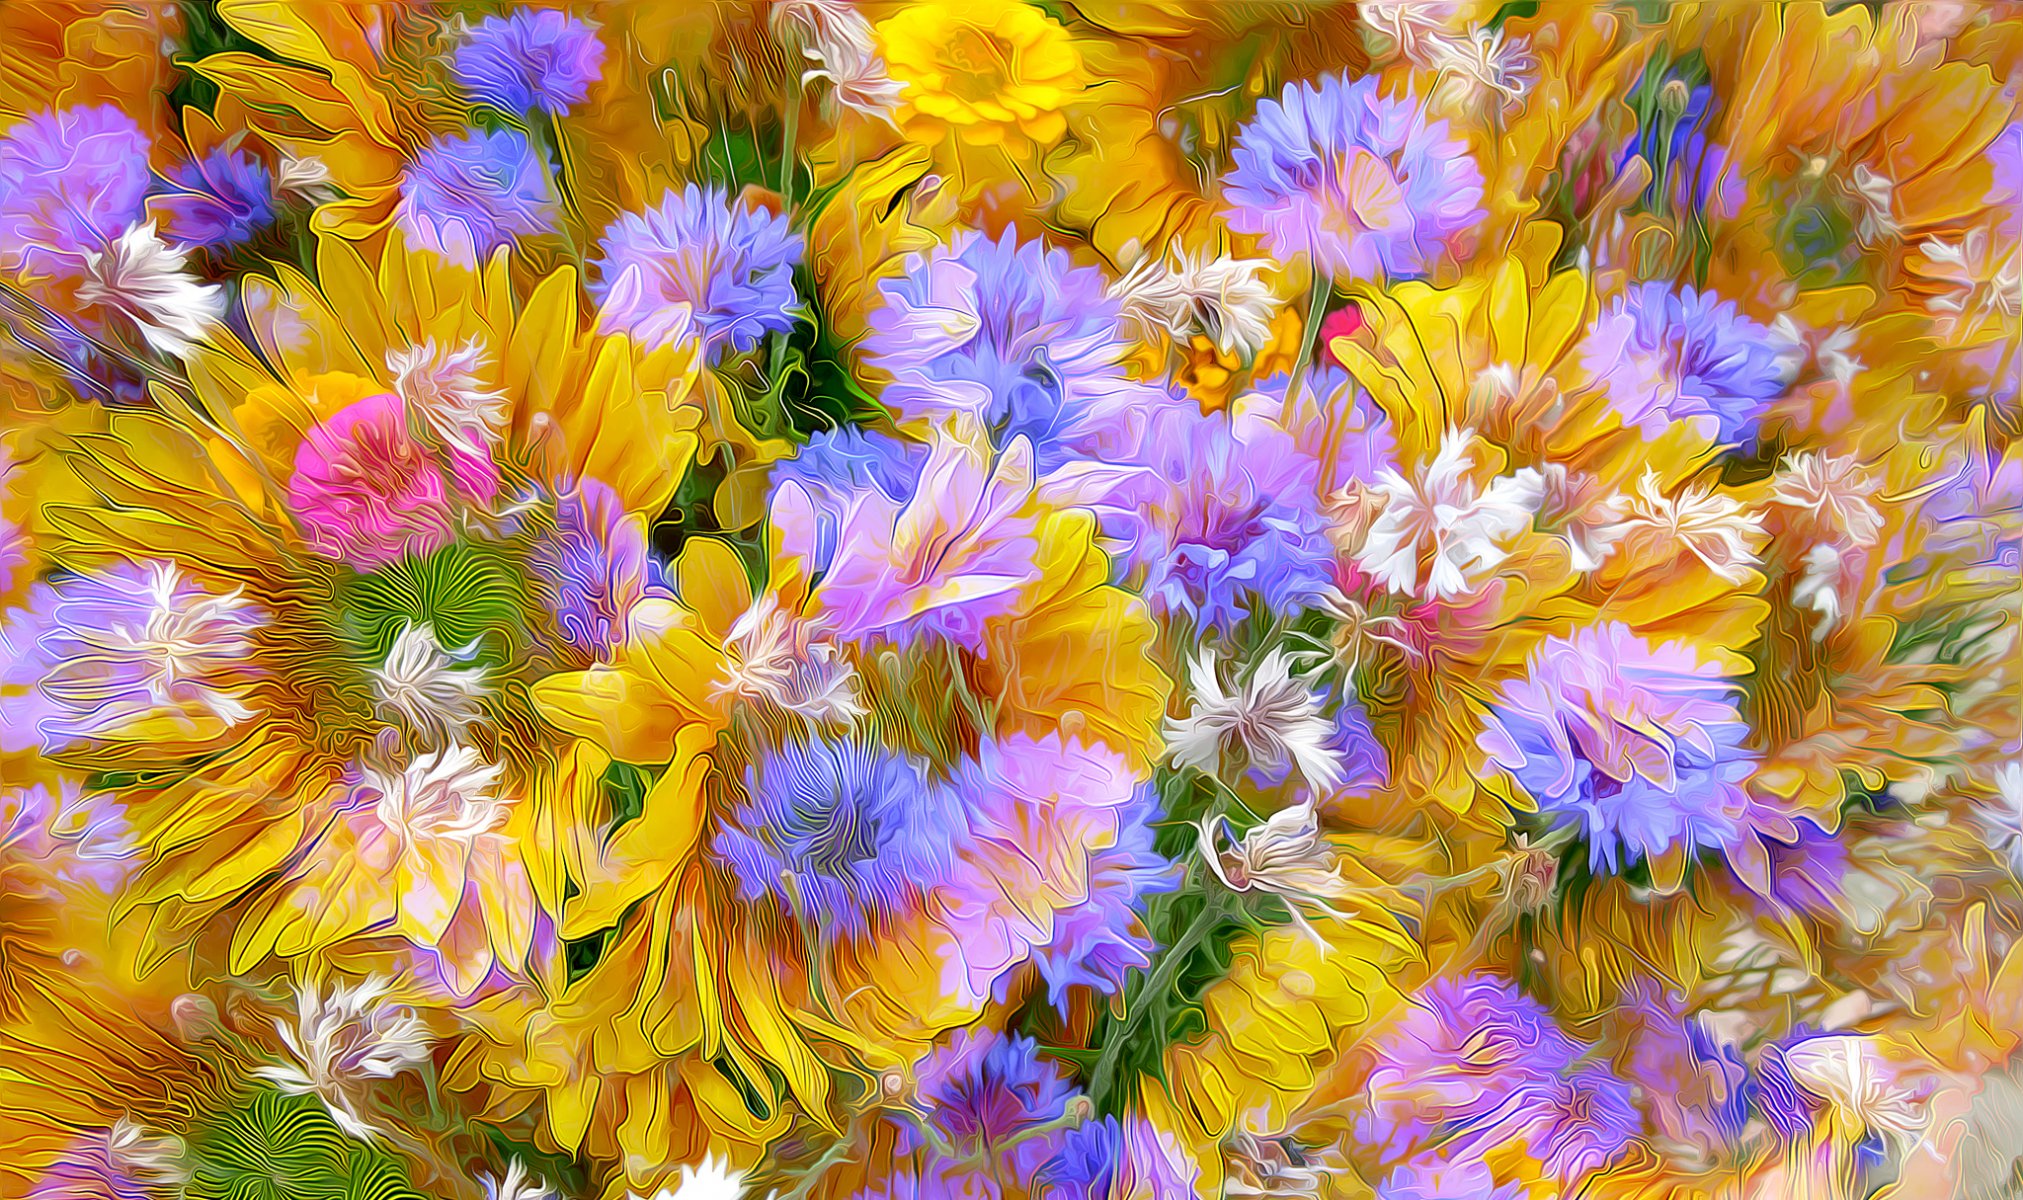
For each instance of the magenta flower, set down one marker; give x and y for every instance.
(368, 492)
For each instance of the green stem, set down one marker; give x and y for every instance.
(1310, 336)
(1211, 914)
(789, 136)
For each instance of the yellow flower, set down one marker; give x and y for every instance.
(991, 72)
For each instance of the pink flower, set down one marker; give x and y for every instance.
(369, 492)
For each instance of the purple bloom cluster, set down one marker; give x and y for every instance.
(1665, 356)
(699, 264)
(467, 195)
(71, 181)
(528, 60)
(220, 201)
(1641, 748)
(1476, 1064)
(594, 563)
(1013, 334)
(1362, 183)
(843, 833)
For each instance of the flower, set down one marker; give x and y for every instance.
(1444, 516)
(835, 37)
(985, 72)
(343, 1039)
(594, 563)
(773, 656)
(1713, 527)
(146, 281)
(112, 653)
(710, 1179)
(1061, 860)
(698, 264)
(1363, 184)
(1274, 719)
(1000, 1112)
(465, 196)
(445, 386)
(1641, 748)
(1435, 1179)
(1284, 856)
(423, 686)
(1859, 1087)
(2001, 814)
(843, 834)
(1011, 333)
(222, 200)
(517, 1184)
(1832, 493)
(1663, 356)
(528, 60)
(367, 492)
(1220, 296)
(72, 180)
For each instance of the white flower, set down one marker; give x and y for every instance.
(517, 1184)
(1874, 196)
(1833, 491)
(446, 387)
(2002, 814)
(1819, 586)
(150, 1160)
(1713, 528)
(1273, 718)
(1443, 512)
(342, 1041)
(145, 279)
(425, 686)
(1286, 856)
(710, 1179)
(776, 657)
(1220, 296)
(1859, 1087)
(839, 41)
(445, 797)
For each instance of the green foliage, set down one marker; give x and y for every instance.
(469, 593)
(271, 1146)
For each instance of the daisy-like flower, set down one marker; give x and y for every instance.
(710, 1179)
(1447, 522)
(698, 262)
(147, 282)
(987, 72)
(96, 656)
(529, 60)
(1220, 296)
(1642, 748)
(841, 833)
(427, 688)
(1285, 856)
(1663, 356)
(839, 41)
(72, 180)
(1711, 526)
(1363, 184)
(221, 201)
(342, 1040)
(1012, 334)
(1273, 719)
(445, 385)
(465, 196)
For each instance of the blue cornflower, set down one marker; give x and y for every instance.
(467, 195)
(220, 201)
(1664, 356)
(844, 833)
(530, 59)
(71, 181)
(699, 265)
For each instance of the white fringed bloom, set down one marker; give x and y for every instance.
(777, 657)
(710, 1179)
(444, 797)
(1713, 528)
(428, 688)
(1859, 1087)
(147, 280)
(1220, 296)
(1832, 491)
(343, 1040)
(839, 40)
(1443, 513)
(445, 386)
(517, 1184)
(1274, 718)
(1286, 856)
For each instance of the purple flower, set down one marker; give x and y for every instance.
(1698, 1090)
(71, 180)
(1665, 356)
(1014, 334)
(1578, 1124)
(1362, 183)
(594, 563)
(1335, 423)
(699, 265)
(530, 59)
(2006, 192)
(1232, 522)
(843, 833)
(987, 1097)
(1695, 166)
(1641, 748)
(93, 656)
(220, 201)
(466, 196)
(1061, 862)
(838, 462)
(1438, 1179)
